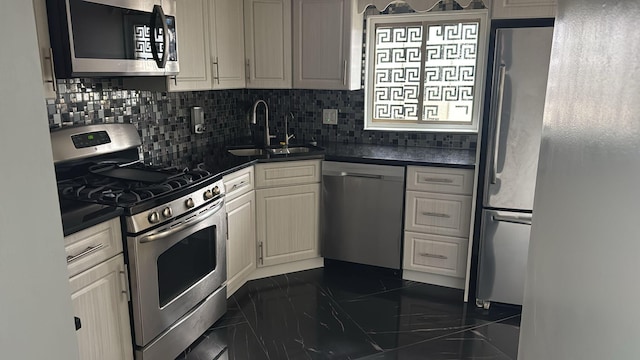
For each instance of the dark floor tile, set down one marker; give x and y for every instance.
(414, 314)
(236, 342)
(504, 335)
(295, 319)
(461, 346)
(342, 280)
(233, 316)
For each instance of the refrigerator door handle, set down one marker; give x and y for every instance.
(496, 138)
(522, 219)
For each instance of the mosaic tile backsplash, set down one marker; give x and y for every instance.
(163, 119)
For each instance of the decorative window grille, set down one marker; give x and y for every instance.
(425, 72)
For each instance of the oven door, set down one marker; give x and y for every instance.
(113, 37)
(175, 267)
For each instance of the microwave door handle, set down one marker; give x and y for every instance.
(157, 10)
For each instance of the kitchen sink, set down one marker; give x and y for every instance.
(289, 150)
(247, 152)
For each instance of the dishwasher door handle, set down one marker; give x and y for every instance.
(358, 175)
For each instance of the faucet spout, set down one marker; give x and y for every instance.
(267, 137)
(288, 137)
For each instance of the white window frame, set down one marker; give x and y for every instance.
(482, 16)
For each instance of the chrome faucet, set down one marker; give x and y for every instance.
(288, 137)
(267, 137)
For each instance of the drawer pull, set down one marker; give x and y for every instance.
(85, 252)
(439, 180)
(434, 256)
(238, 185)
(440, 215)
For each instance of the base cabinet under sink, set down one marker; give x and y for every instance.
(287, 225)
(287, 211)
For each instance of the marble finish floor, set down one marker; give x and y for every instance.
(347, 311)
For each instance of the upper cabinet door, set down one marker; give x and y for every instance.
(515, 9)
(44, 48)
(327, 45)
(268, 43)
(227, 44)
(193, 47)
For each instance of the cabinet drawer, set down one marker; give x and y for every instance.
(287, 173)
(238, 183)
(434, 213)
(92, 246)
(435, 254)
(440, 180)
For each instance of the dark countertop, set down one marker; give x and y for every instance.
(400, 155)
(77, 215)
(222, 162)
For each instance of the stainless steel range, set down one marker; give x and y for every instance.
(174, 225)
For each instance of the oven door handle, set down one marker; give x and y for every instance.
(199, 218)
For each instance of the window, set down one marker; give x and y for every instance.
(425, 72)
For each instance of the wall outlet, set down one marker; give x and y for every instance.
(330, 116)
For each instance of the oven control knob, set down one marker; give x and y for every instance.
(154, 218)
(189, 203)
(216, 190)
(208, 195)
(167, 213)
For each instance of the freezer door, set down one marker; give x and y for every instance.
(503, 256)
(520, 82)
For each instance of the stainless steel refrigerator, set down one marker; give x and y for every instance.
(521, 65)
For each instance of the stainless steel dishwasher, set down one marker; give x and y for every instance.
(362, 213)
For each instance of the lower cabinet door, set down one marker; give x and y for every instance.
(287, 223)
(241, 244)
(100, 300)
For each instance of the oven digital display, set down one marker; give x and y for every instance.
(90, 139)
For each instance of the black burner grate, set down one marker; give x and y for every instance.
(107, 190)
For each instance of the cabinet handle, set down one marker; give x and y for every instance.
(125, 283)
(440, 215)
(85, 252)
(344, 74)
(78, 322)
(175, 80)
(53, 81)
(248, 70)
(438, 180)
(238, 185)
(434, 256)
(226, 219)
(217, 77)
(260, 255)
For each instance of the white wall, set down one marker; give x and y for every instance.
(583, 279)
(36, 321)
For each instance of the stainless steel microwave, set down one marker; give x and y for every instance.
(113, 37)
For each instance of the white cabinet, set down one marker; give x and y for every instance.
(226, 31)
(99, 297)
(100, 292)
(514, 9)
(327, 45)
(210, 48)
(268, 43)
(241, 228)
(287, 219)
(44, 48)
(192, 21)
(437, 225)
